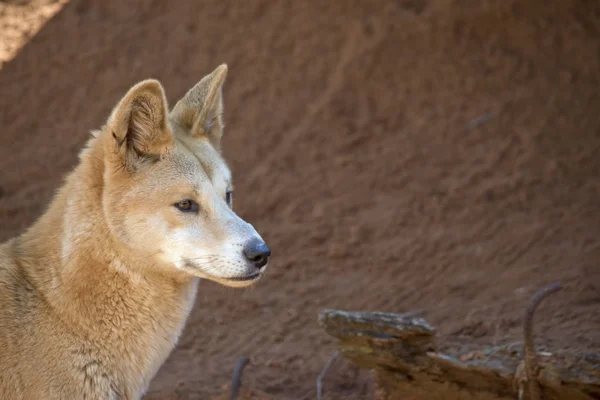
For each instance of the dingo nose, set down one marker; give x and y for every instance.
(257, 252)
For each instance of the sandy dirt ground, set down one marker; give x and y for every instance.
(22, 19)
(435, 155)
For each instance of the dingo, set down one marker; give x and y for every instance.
(93, 297)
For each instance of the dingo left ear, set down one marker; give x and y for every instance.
(200, 111)
(138, 125)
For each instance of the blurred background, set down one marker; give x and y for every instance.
(433, 155)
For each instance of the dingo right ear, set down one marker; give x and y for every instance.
(138, 125)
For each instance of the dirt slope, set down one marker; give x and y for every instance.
(22, 19)
(397, 155)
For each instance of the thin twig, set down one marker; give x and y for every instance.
(480, 120)
(236, 382)
(531, 365)
(323, 373)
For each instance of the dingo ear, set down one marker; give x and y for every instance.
(200, 111)
(138, 125)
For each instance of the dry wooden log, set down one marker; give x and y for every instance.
(411, 360)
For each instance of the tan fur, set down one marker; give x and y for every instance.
(93, 297)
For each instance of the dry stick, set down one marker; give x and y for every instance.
(480, 120)
(323, 373)
(531, 365)
(237, 376)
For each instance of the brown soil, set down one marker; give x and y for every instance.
(397, 155)
(20, 20)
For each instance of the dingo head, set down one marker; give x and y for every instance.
(168, 191)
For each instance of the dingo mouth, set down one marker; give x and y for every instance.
(232, 280)
(237, 281)
(243, 278)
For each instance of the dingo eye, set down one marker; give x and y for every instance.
(229, 197)
(187, 205)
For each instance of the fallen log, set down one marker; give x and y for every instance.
(413, 362)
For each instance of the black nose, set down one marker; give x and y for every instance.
(257, 252)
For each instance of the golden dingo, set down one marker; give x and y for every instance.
(93, 297)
